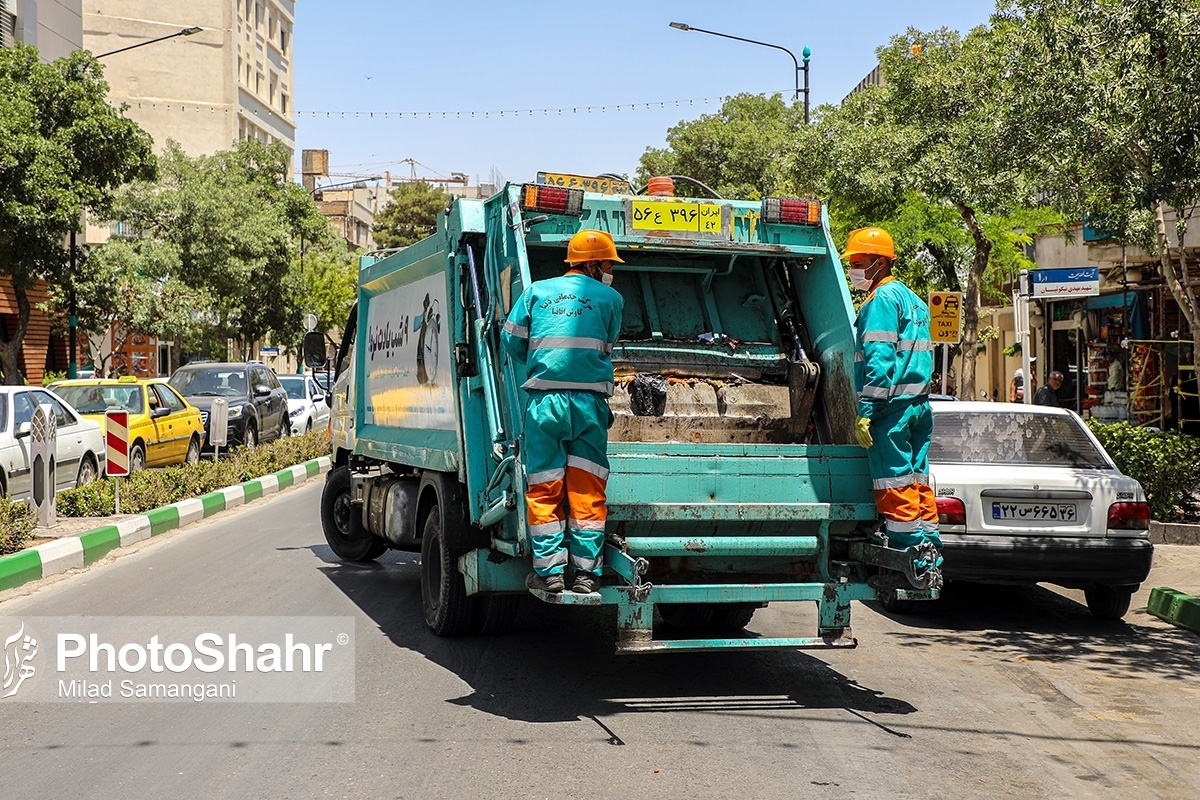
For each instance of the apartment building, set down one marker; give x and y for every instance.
(229, 81)
(55, 27)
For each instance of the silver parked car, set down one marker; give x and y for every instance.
(79, 454)
(307, 406)
(1026, 494)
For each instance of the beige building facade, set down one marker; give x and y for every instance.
(55, 27)
(230, 81)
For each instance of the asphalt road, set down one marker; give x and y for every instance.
(996, 692)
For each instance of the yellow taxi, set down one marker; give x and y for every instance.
(163, 427)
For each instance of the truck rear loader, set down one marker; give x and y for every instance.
(734, 478)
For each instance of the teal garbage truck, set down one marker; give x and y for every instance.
(734, 478)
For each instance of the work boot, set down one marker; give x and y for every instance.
(585, 583)
(550, 583)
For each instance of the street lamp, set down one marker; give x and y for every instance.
(357, 183)
(807, 53)
(183, 32)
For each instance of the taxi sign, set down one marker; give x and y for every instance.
(116, 434)
(599, 185)
(944, 316)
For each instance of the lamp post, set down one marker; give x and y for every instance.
(183, 32)
(807, 53)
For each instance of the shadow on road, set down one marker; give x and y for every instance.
(1036, 623)
(559, 663)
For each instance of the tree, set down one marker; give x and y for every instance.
(411, 215)
(938, 135)
(63, 149)
(738, 151)
(331, 283)
(1110, 94)
(233, 223)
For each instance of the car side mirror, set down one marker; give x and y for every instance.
(23, 430)
(262, 390)
(314, 350)
(160, 411)
(318, 398)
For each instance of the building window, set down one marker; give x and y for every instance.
(258, 17)
(258, 83)
(271, 96)
(284, 38)
(283, 102)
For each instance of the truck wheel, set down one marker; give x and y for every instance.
(887, 599)
(1108, 602)
(448, 610)
(496, 614)
(335, 521)
(686, 616)
(733, 616)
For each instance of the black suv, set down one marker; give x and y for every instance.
(258, 406)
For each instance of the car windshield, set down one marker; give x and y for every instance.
(210, 382)
(293, 385)
(1016, 438)
(99, 399)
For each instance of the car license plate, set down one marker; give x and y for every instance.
(1052, 512)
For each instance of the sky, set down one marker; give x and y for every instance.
(442, 73)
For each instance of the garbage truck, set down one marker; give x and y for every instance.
(735, 480)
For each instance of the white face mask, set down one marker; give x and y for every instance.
(858, 278)
(606, 278)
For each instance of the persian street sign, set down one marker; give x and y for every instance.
(1069, 282)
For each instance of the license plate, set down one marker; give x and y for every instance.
(1051, 512)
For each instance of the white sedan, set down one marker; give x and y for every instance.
(79, 448)
(307, 407)
(1026, 494)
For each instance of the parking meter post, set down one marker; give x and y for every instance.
(117, 496)
(43, 438)
(945, 365)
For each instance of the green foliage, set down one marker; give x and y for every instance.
(1165, 463)
(17, 522)
(63, 149)
(739, 151)
(331, 283)
(151, 489)
(411, 215)
(223, 233)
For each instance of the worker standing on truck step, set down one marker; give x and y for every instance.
(563, 329)
(893, 365)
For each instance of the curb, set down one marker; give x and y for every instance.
(1175, 607)
(84, 549)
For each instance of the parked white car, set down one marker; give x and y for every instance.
(307, 407)
(79, 451)
(1026, 494)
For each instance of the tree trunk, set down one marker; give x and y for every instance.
(1180, 290)
(971, 301)
(10, 347)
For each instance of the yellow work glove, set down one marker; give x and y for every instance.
(862, 432)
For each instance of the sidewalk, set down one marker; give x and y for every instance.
(80, 541)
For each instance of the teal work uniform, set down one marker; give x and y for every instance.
(893, 365)
(563, 329)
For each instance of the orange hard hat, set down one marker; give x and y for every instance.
(590, 245)
(870, 241)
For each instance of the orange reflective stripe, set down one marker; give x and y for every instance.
(586, 495)
(544, 502)
(900, 505)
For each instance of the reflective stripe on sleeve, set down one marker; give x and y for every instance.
(874, 392)
(880, 336)
(915, 345)
(541, 384)
(519, 331)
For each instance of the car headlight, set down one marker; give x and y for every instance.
(235, 412)
(295, 412)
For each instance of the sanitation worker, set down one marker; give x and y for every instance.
(563, 329)
(893, 364)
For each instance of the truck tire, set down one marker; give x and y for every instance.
(448, 610)
(1108, 602)
(335, 521)
(496, 614)
(733, 616)
(686, 616)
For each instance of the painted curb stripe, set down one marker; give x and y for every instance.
(60, 556)
(213, 502)
(98, 542)
(86, 548)
(133, 530)
(163, 519)
(19, 568)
